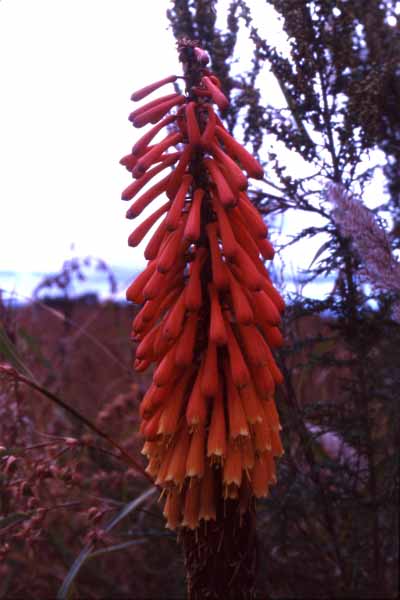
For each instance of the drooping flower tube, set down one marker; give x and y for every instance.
(209, 314)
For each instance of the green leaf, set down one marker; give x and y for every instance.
(320, 251)
(11, 354)
(65, 591)
(34, 348)
(324, 346)
(117, 547)
(12, 519)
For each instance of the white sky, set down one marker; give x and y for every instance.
(67, 70)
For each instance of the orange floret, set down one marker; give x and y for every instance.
(236, 179)
(166, 369)
(157, 111)
(192, 228)
(134, 293)
(207, 494)
(196, 456)
(216, 442)
(179, 172)
(177, 466)
(174, 213)
(171, 250)
(193, 291)
(196, 410)
(226, 195)
(252, 405)
(219, 273)
(229, 244)
(237, 418)
(144, 200)
(233, 467)
(138, 234)
(260, 476)
(139, 183)
(192, 123)
(239, 370)
(145, 91)
(241, 306)
(219, 98)
(173, 409)
(192, 505)
(249, 163)
(209, 132)
(218, 333)
(173, 509)
(185, 344)
(209, 382)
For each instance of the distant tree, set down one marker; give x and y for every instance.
(330, 528)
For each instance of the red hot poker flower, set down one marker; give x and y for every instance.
(208, 311)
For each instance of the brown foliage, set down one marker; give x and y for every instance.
(61, 484)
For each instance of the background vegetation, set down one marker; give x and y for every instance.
(330, 527)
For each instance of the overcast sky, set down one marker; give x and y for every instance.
(67, 70)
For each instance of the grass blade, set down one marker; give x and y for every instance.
(66, 587)
(11, 354)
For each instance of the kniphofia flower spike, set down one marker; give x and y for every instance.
(209, 313)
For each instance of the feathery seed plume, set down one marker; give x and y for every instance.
(370, 240)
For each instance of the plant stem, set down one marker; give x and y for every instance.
(220, 555)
